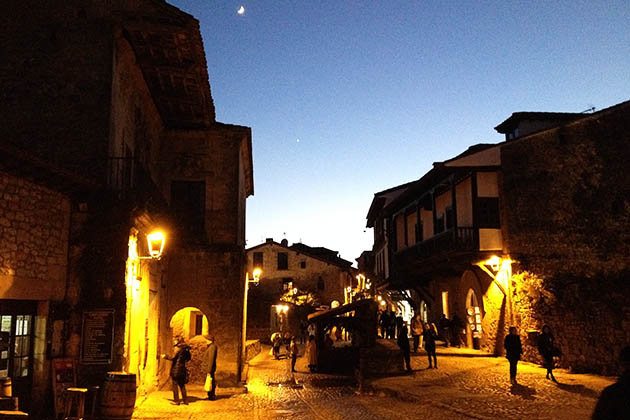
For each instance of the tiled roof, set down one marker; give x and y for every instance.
(169, 50)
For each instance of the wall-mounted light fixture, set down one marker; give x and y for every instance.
(499, 269)
(255, 279)
(155, 241)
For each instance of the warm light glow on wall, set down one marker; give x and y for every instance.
(156, 242)
(500, 270)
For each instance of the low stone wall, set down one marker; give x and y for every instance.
(252, 349)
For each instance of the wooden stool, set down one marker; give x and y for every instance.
(74, 396)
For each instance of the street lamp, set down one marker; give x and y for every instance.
(155, 241)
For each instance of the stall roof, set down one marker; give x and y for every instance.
(331, 313)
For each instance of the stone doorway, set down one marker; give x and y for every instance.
(473, 318)
(192, 324)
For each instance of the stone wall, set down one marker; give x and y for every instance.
(566, 201)
(34, 229)
(213, 282)
(57, 55)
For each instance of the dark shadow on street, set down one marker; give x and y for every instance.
(578, 389)
(524, 391)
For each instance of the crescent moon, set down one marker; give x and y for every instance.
(241, 10)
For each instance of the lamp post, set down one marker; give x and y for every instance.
(255, 279)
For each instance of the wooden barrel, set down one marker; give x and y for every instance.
(118, 396)
(5, 387)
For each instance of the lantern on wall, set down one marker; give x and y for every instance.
(156, 241)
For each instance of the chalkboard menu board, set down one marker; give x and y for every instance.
(64, 376)
(97, 336)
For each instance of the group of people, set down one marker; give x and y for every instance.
(277, 339)
(179, 372)
(426, 332)
(546, 347)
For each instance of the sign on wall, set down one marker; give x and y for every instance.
(97, 336)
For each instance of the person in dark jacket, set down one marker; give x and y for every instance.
(513, 351)
(445, 329)
(429, 336)
(178, 373)
(403, 343)
(547, 349)
(211, 359)
(391, 330)
(293, 352)
(384, 323)
(614, 401)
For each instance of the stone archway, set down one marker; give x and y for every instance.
(192, 324)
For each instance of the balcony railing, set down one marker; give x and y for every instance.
(453, 240)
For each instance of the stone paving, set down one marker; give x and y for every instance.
(467, 385)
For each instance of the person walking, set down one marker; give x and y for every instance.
(211, 359)
(178, 372)
(293, 352)
(429, 336)
(403, 343)
(547, 349)
(513, 351)
(614, 401)
(416, 331)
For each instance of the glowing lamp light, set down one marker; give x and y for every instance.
(156, 242)
(383, 303)
(256, 275)
(494, 262)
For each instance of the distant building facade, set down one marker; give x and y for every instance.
(315, 270)
(525, 232)
(109, 133)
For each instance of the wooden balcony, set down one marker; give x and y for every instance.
(453, 240)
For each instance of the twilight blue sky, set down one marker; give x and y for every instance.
(376, 91)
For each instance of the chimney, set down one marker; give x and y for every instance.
(269, 240)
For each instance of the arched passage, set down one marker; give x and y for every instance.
(192, 325)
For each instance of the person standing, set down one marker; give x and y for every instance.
(513, 351)
(416, 331)
(547, 349)
(391, 331)
(403, 343)
(445, 329)
(178, 372)
(211, 359)
(384, 323)
(614, 401)
(457, 326)
(311, 350)
(429, 335)
(293, 352)
(276, 341)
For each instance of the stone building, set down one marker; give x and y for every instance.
(527, 232)
(315, 270)
(109, 133)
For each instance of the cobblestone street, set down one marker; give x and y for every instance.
(467, 385)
